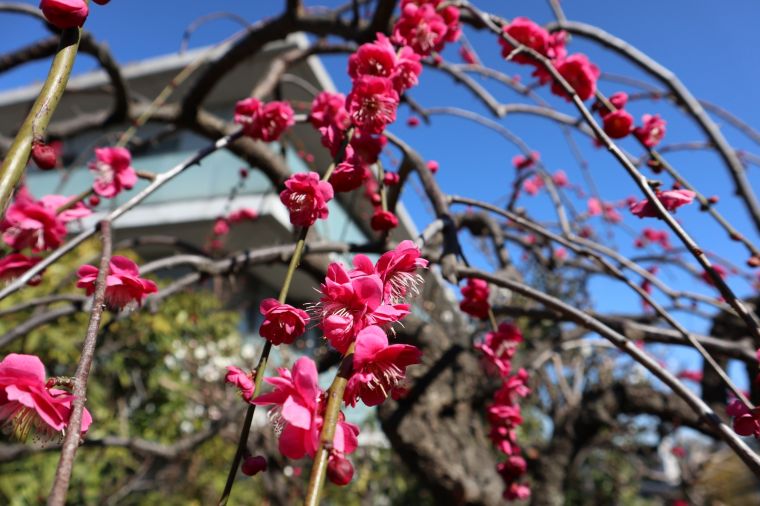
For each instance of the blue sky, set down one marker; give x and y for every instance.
(711, 46)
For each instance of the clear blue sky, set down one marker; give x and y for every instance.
(712, 46)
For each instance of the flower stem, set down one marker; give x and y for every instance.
(37, 120)
(332, 415)
(295, 260)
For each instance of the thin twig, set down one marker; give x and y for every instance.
(71, 441)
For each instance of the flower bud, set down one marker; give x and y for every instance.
(339, 470)
(94, 200)
(44, 156)
(253, 465)
(65, 13)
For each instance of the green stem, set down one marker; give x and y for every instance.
(260, 370)
(37, 120)
(331, 418)
(295, 260)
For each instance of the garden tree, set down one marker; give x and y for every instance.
(112, 381)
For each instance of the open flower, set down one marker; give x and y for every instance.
(353, 301)
(28, 404)
(651, 132)
(670, 199)
(36, 224)
(283, 323)
(376, 58)
(298, 412)
(113, 171)
(123, 283)
(372, 103)
(580, 73)
(378, 367)
(421, 28)
(398, 271)
(306, 198)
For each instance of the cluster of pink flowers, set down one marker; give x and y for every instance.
(266, 122)
(504, 415)
(425, 26)
(670, 199)
(475, 298)
(576, 69)
(123, 282)
(357, 308)
(30, 404)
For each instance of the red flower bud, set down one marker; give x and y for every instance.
(44, 156)
(391, 178)
(94, 200)
(339, 470)
(383, 221)
(65, 13)
(243, 173)
(253, 465)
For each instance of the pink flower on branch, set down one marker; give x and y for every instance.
(297, 416)
(670, 199)
(421, 28)
(651, 132)
(266, 122)
(529, 34)
(372, 103)
(378, 367)
(306, 198)
(113, 171)
(29, 404)
(352, 301)
(580, 74)
(36, 224)
(283, 323)
(123, 283)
